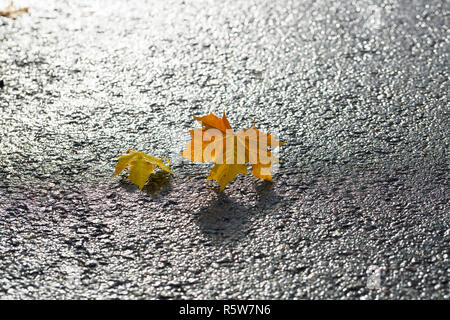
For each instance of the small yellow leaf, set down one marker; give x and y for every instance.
(140, 166)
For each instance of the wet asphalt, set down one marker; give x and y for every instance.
(359, 204)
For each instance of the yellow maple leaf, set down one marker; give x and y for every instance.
(229, 150)
(140, 166)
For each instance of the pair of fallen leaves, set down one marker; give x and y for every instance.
(215, 142)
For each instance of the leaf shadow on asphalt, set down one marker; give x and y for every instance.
(157, 183)
(226, 220)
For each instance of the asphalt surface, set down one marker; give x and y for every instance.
(359, 204)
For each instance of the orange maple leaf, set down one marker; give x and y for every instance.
(230, 151)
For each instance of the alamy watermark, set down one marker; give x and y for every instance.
(230, 147)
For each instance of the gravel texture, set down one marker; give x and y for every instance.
(359, 207)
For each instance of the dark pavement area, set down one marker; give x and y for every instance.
(359, 204)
